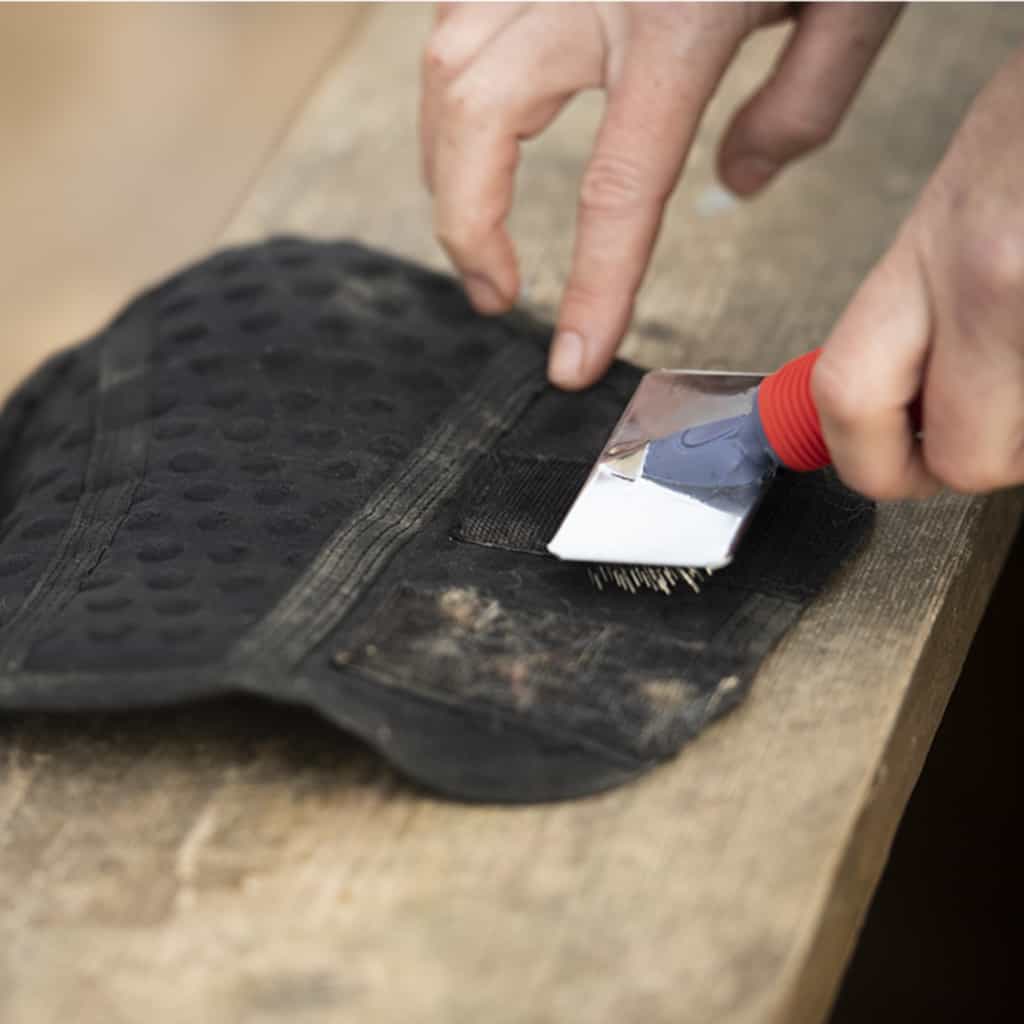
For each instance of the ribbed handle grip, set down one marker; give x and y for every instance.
(789, 417)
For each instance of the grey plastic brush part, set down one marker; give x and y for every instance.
(716, 456)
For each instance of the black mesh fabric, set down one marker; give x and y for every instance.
(307, 470)
(518, 503)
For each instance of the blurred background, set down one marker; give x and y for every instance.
(129, 135)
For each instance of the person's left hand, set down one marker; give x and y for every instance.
(496, 74)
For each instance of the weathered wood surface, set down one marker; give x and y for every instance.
(241, 863)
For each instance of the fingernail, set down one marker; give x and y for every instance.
(748, 173)
(565, 366)
(483, 294)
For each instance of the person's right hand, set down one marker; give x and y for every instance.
(496, 74)
(939, 322)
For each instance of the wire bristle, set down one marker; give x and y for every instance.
(635, 578)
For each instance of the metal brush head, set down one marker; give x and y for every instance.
(634, 578)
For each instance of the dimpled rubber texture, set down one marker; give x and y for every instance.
(267, 474)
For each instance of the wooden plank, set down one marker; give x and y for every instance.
(243, 863)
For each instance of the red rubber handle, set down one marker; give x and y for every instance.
(789, 417)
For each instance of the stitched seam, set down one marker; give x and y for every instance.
(53, 687)
(357, 552)
(102, 507)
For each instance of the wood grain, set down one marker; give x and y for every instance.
(242, 863)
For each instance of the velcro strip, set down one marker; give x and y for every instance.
(518, 503)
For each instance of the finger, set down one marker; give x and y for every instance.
(460, 32)
(514, 89)
(650, 120)
(870, 372)
(974, 387)
(802, 103)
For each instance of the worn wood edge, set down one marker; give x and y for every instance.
(811, 989)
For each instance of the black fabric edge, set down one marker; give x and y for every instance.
(114, 471)
(554, 767)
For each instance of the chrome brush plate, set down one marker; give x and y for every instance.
(621, 517)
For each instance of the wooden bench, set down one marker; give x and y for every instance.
(236, 862)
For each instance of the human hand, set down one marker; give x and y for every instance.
(941, 317)
(497, 74)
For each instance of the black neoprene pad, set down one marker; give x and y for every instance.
(309, 471)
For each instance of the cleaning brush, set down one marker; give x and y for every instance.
(684, 470)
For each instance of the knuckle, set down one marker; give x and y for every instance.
(466, 234)
(615, 184)
(443, 57)
(459, 235)
(469, 103)
(976, 474)
(804, 129)
(992, 263)
(583, 293)
(593, 294)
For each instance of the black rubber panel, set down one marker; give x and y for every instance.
(308, 470)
